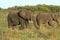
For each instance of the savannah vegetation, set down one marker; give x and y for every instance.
(46, 32)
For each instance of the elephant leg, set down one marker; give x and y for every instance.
(22, 22)
(10, 24)
(27, 24)
(22, 26)
(36, 26)
(35, 22)
(46, 23)
(50, 23)
(38, 23)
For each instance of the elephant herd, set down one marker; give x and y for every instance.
(22, 17)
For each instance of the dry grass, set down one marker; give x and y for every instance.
(46, 32)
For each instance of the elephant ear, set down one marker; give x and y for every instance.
(22, 14)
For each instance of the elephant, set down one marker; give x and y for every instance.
(17, 17)
(28, 15)
(13, 19)
(47, 18)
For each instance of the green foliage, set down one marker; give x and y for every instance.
(49, 8)
(43, 8)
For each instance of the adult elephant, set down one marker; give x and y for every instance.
(28, 15)
(13, 19)
(17, 17)
(45, 18)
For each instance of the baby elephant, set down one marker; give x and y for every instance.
(44, 17)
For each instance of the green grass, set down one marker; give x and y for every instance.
(46, 32)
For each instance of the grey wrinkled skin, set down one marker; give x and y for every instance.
(55, 17)
(44, 17)
(28, 15)
(47, 18)
(17, 17)
(13, 19)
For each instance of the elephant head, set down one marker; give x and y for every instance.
(55, 17)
